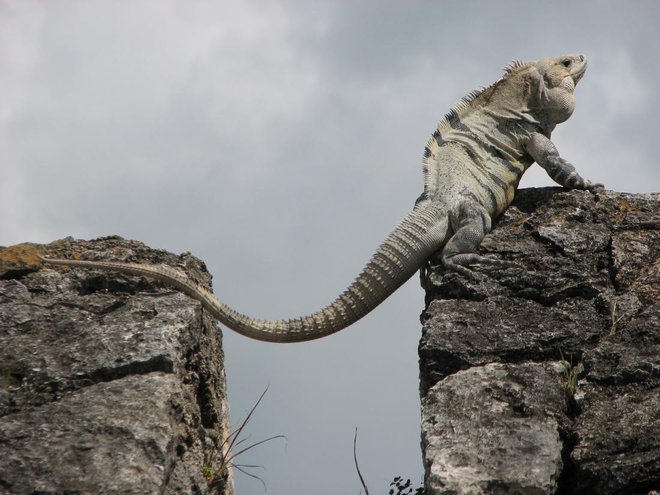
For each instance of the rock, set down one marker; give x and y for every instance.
(108, 383)
(544, 378)
(483, 424)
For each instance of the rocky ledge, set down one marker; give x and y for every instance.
(108, 384)
(542, 378)
(539, 378)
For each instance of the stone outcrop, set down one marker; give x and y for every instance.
(539, 378)
(108, 384)
(543, 378)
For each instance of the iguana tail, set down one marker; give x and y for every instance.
(404, 251)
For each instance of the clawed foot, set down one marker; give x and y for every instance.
(594, 187)
(429, 269)
(497, 263)
(469, 272)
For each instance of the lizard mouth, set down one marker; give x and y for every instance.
(581, 69)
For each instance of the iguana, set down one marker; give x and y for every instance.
(472, 165)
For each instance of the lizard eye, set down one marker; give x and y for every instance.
(566, 62)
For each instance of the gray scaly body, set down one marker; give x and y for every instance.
(472, 166)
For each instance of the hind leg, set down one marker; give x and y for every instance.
(470, 223)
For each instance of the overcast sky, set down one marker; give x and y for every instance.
(281, 142)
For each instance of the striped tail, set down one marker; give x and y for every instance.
(404, 251)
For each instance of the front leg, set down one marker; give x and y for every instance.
(562, 172)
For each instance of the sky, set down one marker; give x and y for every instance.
(281, 142)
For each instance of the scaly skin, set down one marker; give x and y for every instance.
(472, 166)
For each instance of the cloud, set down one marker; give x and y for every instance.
(281, 141)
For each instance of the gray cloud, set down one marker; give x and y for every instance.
(280, 142)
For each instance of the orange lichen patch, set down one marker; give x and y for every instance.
(625, 205)
(623, 209)
(20, 257)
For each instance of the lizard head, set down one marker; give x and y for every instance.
(562, 72)
(556, 78)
